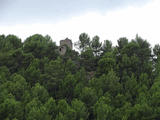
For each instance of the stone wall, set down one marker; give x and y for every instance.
(64, 44)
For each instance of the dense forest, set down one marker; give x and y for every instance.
(99, 82)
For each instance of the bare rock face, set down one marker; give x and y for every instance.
(64, 44)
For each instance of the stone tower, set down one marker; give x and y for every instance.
(64, 44)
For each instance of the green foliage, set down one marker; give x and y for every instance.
(122, 42)
(107, 46)
(4, 74)
(106, 63)
(96, 45)
(35, 110)
(84, 42)
(101, 82)
(67, 113)
(156, 51)
(88, 60)
(32, 72)
(102, 109)
(69, 82)
(80, 108)
(40, 92)
(51, 107)
(9, 42)
(40, 46)
(10, 108)
(88, 96)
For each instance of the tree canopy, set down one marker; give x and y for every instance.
(100, 82)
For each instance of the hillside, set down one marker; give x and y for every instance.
(100, 82)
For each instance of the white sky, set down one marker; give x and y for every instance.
(122, 22)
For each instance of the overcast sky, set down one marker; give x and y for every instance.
(109, 19)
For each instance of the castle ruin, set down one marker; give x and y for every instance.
(64, 44)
